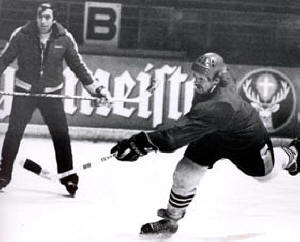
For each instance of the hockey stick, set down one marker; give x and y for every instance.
(35, 168)
(149, 91)
(47, 95)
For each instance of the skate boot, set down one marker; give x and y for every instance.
(5, 173)
(4, 181)
(71, 184)
(294, 166)
(165, 213)
(163, 228)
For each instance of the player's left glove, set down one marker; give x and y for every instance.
(133, 148)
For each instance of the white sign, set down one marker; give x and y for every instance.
(123, 86)
(102, 23)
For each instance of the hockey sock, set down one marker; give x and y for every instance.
(178, 204)
(180, 201)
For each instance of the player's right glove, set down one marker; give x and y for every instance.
(133, 148)
(100, 92)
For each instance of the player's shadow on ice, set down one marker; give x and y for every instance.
(231, 238)
(43, 192)
(182, 237)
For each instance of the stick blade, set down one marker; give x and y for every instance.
(32, 166)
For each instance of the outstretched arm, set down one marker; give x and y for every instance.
(165, 141)
(77, 65)
(199, 122)
(10, 51)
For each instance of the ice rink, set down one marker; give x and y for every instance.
(114, 199)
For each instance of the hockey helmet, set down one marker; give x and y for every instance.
(209, 65)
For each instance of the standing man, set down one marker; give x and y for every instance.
(220, 124)
(40, 48)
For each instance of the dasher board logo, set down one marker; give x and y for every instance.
(272, 94)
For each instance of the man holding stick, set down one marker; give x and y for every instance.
(40, 48)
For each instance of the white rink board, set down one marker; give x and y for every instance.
(115, 198)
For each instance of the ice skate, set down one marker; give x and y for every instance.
(71, 184)
(5, 174)
(71, 188)
(4, 182)
(4, 179)
(164, 213)
(294, 166)
(163, 228)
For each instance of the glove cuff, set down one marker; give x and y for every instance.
(143, 143)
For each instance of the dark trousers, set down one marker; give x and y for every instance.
(53, 115)
(208, 150)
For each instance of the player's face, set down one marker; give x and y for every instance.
(45, 20)
(202, 84)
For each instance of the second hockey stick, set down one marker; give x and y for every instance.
(35, 168)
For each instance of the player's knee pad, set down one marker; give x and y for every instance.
(187, 176)
(268, 159)
(269, 163)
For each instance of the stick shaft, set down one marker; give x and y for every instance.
(48, 95)
(83, 167)
(35, 168)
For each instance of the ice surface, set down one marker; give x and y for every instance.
(114, 199)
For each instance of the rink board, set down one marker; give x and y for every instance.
(273, 90)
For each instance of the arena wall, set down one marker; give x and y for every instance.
(128, 78)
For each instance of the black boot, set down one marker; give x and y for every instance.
(71, 183)
(5, 173)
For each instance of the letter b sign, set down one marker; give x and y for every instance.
(102, 23)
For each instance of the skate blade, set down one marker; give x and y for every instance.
(69, 195)
(158, 236)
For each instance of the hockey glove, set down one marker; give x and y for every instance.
(133, 148)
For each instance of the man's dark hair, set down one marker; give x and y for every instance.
(44, 6)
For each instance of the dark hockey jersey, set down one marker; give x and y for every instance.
(223, 113)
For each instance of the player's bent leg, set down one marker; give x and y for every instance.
(285, 159)
(186, 178)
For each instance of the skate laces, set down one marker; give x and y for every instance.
(164, 225)
(159, 226)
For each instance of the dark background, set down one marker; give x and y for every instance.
(245, 32)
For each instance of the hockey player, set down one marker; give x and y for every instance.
(41, 46)
(220, 124)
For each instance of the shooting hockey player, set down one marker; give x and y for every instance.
(220, 124)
